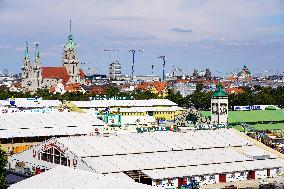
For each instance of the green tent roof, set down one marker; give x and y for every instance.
(219, 91)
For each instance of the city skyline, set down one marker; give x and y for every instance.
(221, 36)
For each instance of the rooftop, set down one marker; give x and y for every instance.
(64, 177)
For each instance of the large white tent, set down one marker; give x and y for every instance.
(159, 156)
(20, 124)
(64, 177)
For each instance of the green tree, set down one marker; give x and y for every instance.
(3, 163)
(176, 98)
(192, 117)
(112, 91)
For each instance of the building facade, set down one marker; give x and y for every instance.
(35, 76)
(114, 70)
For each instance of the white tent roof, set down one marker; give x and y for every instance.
(153, 142)
(169, 154)
(163, 150)
(47, 124)
(123, 103)
(68, 178)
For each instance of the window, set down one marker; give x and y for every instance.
(43, 156)
(53, 155)
(64, 161)
(158, 182)
(57, 159)
(170, 182)
(49, 158)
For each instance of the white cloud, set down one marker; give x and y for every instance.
(5, 46)
(235, 20)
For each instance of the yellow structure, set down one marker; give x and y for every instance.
(164, 113)
(13, 148)
(71, 107)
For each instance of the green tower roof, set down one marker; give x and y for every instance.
(70, 43)
(219, 91)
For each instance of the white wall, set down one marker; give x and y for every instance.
(273, 172)
(259, 174)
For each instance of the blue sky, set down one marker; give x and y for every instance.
(221, 35)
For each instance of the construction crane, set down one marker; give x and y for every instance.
(164, 64)
(133, 60)
(111, 50)
(174, 72)
(153, 68)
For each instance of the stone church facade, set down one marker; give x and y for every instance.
(35, 76)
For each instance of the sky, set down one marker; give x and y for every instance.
(221, 35)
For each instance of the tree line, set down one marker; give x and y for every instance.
(199, 99)
(250, 96)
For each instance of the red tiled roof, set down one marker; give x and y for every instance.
(182, 81)
(55, 73)
(98, 90)
(234, 90)
(160, 86)
(73, 87)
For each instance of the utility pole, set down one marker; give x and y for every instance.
(133, 60)
(164, 63)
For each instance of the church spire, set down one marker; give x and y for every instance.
(36, 52)
(70, 44)
(70, 27)
(27, 50)
(37, 57)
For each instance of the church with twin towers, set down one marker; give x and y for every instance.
(35, 76)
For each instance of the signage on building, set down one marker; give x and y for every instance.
(253, 107)
(111, 98)
(153, 129)
(50, 145)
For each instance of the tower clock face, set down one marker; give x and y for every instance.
(214, 108)
(223, 109)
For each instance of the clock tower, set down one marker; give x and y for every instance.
(70, 60)
(219, 106)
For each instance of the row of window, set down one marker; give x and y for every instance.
(53, 155)
(136, 113)
(141, 113)
(54, 159)
(202, 178)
